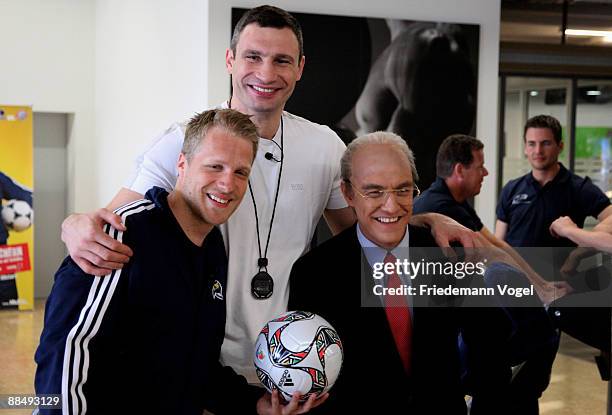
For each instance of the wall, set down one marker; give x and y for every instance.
(150, 71)
(50, 158)
(47, 62)
(134, 67)
(483, 12)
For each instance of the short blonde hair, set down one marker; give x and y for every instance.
(232, 121)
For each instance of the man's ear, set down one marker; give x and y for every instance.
(458, 170)
(182, 164)
(347, 192)
(229, 60)
(301, 67)
(560, 146)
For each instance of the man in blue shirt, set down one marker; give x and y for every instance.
(460, 171)
(529, 205)
(147, 338)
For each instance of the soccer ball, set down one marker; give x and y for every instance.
(298, 352)
(17, 215)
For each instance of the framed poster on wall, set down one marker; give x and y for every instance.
(415, 78)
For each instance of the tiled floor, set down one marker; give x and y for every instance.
(20, 331)
(575, 389)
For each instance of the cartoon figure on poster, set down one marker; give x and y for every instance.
(17, 215)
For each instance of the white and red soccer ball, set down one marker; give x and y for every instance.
(298, 352)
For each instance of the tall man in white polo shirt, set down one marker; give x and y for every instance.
(295, 179)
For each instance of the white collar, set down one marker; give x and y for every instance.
(375, 254)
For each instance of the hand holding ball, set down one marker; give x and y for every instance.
(298, 352)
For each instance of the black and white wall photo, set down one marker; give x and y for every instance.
(415, 78)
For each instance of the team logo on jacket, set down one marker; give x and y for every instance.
(217, 290)
(521, 199)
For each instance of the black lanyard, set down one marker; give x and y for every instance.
(262, 284)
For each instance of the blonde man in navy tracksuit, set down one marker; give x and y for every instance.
(146, 339)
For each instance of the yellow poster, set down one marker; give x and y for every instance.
(16, 226)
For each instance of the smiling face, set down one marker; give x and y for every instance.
(541, 149)
(265, 68)
(380, 167)
(214, 181)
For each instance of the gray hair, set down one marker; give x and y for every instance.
(378, 137)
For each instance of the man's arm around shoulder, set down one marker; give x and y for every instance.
(94, 251)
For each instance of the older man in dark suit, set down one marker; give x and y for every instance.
(398, 355)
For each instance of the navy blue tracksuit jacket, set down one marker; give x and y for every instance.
(144, 339)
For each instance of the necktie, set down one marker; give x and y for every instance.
(398, 316)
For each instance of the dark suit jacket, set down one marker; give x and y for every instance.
(372, 379)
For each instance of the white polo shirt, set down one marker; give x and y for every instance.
(310, 184)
